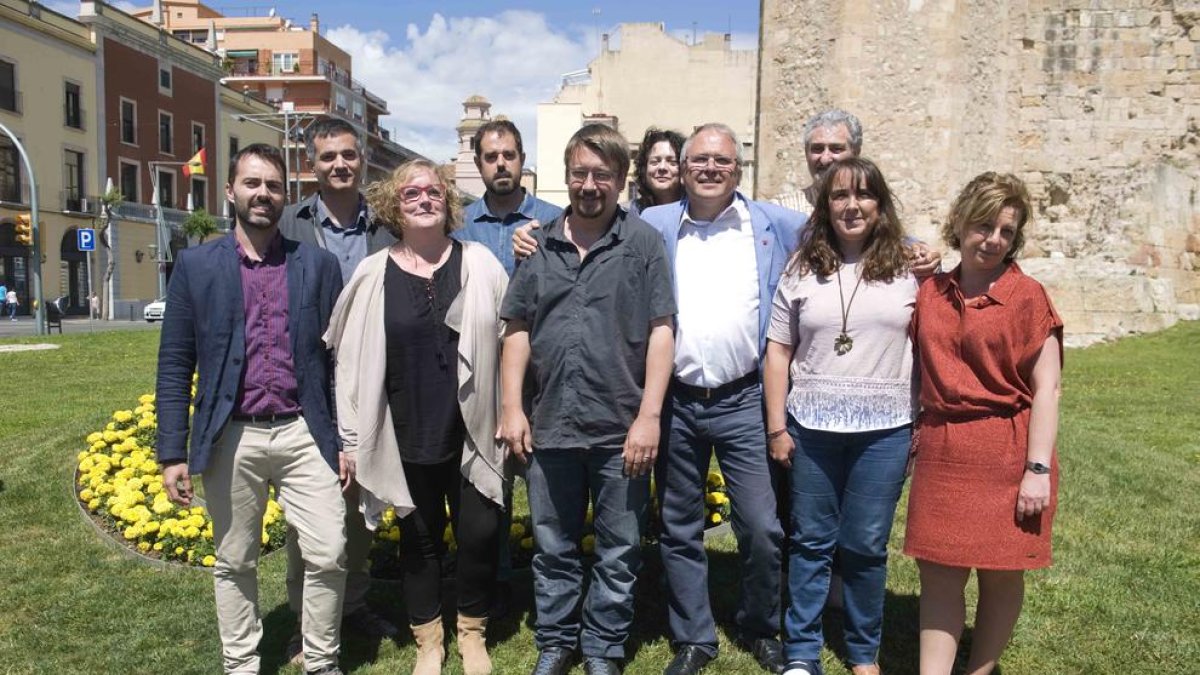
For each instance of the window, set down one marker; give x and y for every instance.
(199, 194)
(286, 62)
(197, 137)
(129, 181)
(72, 106)
(341, 102)
(10, 171)
(8, 87)
(234, 146)
(128, 122)
(165, 129)
(166, 188)
(164, 80)
(72, 181)
(360, 110)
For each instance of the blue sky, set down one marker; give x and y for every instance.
(425, 56)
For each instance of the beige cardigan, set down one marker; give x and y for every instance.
(356, 334)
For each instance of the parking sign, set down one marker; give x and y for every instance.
(85, 239)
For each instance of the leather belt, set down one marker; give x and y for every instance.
(706, 394)
(269, 418)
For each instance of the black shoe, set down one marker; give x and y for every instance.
(501, 601)
(553, 661)
(803, 668)
(767, 651)
(689, 660)
(598, 665)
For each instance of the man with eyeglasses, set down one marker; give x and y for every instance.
(591, 310)
(336, 218)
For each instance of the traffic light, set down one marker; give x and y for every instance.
(24, 229)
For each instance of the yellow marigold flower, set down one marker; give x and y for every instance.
(111, 426)
(143, 546)
(154, 488)
(191, 532)
(715, 519)
(197, 510)
(209, 560)
(132, 532)
(178, 550)
(710, 498)
(149, 467)
(150, 526)
(393, 533)
(146, 423)
(265, 538)
(111, 436)
(191, 554)
(196, 521)
(588, 544)
(158, 546)
(98, 446)
(516, 531)
(146, 398)
(94, 436)
(162, 507)
(527, 543)
(715, 479)
(94, 504)
(86, 495)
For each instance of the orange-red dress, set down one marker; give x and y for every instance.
(976, 361)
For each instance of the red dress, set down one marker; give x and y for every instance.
(976, 362)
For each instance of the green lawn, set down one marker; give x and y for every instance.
(1123, 596)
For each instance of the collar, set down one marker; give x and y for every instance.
(361, 221)
(525, 208)
(273, 255)
(738, 206)
(1000, 292)
(616, 230)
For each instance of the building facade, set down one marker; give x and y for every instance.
(48, 99)
(650, 78)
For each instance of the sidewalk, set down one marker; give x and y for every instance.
(72, 325)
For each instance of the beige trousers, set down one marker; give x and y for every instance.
(247, 458)
(358, 566)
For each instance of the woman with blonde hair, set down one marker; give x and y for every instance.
(989, 345)
(416, 341)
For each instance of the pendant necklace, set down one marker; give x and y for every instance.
(843, 343)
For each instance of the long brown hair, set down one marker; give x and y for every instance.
(884, 256)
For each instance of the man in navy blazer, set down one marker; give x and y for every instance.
(246, 313)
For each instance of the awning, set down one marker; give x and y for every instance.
(242, 53)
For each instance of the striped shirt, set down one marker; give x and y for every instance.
(268, 381)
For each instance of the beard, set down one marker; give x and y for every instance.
(262, 221)
(502, 185)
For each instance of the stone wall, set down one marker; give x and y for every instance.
(1095, 103)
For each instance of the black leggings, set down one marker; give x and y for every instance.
(476, 519)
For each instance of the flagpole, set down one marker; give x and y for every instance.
(162, 235)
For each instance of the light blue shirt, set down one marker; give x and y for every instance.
(480, 225)
(349, 244)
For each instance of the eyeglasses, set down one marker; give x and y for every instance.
(721, 162)
(412, 193)
(580, 176)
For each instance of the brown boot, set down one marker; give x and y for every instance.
(430, 649)
(472, 645)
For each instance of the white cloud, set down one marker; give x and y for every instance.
(514, 59)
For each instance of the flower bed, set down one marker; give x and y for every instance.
(119, 483)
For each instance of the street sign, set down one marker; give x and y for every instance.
(85, 239)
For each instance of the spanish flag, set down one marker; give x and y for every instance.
(195, 165)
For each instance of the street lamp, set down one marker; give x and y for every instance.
(291, 125)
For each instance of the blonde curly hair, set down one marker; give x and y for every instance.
(383, 196)
(981, 201)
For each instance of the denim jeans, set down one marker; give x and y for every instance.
(732, 425)
(844, 492)
(559, 484)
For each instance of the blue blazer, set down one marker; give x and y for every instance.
(204, 331)
(776, 233)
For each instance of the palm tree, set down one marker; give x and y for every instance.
(199, 225)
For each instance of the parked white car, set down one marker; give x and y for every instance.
(155, 310)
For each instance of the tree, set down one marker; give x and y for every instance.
(199, 225)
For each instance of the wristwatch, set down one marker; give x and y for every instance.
(1037, 467)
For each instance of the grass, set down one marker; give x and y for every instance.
(1123, 595)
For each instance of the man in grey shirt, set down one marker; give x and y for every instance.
(592, 311)
(336, 218)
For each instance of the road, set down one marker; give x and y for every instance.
(23, 326)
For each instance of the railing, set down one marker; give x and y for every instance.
(73, 201)
(172, 217)
(576, 77)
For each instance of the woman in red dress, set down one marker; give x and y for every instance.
(989, 345)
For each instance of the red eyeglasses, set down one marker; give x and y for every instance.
(411, 193)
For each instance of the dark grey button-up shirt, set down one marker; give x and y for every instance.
(589, 328)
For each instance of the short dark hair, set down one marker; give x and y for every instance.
(653, 137)
(267, 153)
(326, 127)
(500, 127)
(604, 141)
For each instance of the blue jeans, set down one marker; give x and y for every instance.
(844, 492)
(559, 482)
(732, 425)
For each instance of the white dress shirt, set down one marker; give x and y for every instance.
(716, 275)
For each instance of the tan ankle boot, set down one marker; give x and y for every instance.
(472, 645)
(430, 649)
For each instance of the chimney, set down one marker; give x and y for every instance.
(314, 23)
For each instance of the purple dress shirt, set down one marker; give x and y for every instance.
(268, 382)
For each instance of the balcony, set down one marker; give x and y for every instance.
(145, 213)
(73, 201)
